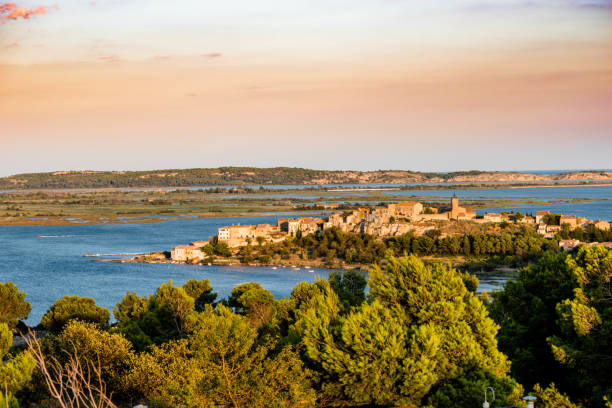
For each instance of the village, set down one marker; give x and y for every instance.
(383, 221)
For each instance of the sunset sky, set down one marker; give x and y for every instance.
(330, 84)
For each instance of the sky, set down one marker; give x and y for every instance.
(437, 85)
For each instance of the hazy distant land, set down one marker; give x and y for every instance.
(237, 176)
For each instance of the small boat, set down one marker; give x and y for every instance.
(209, 264)
(297, 269)
(311, 271)
(274, 267)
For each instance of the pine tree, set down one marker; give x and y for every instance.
(422, 327)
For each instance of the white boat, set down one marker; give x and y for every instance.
(274, 267)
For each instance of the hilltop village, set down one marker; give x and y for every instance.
(384, 221)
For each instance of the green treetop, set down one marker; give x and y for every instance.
(13, 305)
(15, 371)
(74, 307)
(421, 329)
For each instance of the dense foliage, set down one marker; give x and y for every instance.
(13, 305)
(74, 308)
(336, 247)
(556, 323)
(422, 329)
(421, 336)
(15, 370)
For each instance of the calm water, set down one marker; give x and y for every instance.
(52, 266)
(47, 262)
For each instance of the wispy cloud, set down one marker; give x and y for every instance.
(12, 45)
(10, 11)
(109, 58)
(578, 4)
(212, 55)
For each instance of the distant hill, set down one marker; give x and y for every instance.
(237, 176)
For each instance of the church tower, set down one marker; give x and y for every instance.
(455, 209)
(454, 203)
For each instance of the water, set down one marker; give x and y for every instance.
(52, 266)
(47, 262)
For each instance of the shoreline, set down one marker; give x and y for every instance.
(355, 186)
(235, 262)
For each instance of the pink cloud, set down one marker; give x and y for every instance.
(12, 45)
(10, 11)
(212, 55)
(6, 7)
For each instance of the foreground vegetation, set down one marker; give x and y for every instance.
(420, 337)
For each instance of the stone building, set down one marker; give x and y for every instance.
(408, 209)
(460, 213)
(568, 219)
(492, 217)
(540, 215)
(184, 253)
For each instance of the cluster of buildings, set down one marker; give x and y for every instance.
(549, 230)
(390, 220)
(393, 219)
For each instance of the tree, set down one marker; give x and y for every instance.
(13, 305)
(130, 308)
(201, 291)
(252, 301)
(167, 376)
(423, 328)
(526, 312)
(236, 371)
(221, 364)
(74, 307)
(466, 391)
(73, 382)
(550, 397)
(584, 344)
(222, 249)
(15, 371)
(165, 316)
(350, 287)
(552, 219)
(556, 325)
(111, 353)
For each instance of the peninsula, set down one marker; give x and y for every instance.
(363, 236)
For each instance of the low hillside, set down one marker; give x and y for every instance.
(226, 176)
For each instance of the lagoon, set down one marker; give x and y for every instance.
(47, 262)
